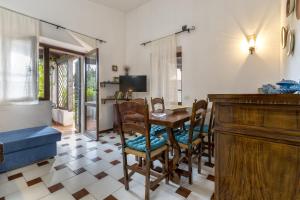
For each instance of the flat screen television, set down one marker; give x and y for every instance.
(134, 83)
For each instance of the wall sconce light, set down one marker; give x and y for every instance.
(252, 43)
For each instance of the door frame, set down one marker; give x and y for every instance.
(97, 91)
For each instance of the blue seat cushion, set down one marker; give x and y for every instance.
(157, 129)
(183, 136)
(139, 143)
(197, 128)
(28, 138)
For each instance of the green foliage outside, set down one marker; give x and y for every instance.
(41, 93)
(91, 84)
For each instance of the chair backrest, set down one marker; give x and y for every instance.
(158, 101)
(198, 117)
(134, 117)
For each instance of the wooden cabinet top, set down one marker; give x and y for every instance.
(275, 99)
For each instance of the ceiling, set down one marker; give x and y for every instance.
(123, 5)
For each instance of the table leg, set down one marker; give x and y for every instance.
(173, 166)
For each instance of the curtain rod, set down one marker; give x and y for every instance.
(183, 30)
(56, 25)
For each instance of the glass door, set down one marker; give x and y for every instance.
(77, 93)
(91, 104)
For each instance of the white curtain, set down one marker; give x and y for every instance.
(18, 58)
(164, 69)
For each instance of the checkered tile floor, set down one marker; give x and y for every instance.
(85, 169)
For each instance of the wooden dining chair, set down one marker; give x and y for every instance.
(134, 117)
(158, 102)
(191, 140)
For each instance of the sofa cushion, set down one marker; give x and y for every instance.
(28, 138)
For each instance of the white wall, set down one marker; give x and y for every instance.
(290, 65)
(213, 61)
(82, 16)
(19, 117)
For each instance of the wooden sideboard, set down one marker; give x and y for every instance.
(257, 139)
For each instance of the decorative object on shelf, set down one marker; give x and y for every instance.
(290, 7)
(114, 68)
(119, 95)
(284, 34)
(291, 43)
(129, 94)
(269, 89)
(288, 86)
(252, 43)
(126, 69)
(285, 87)
(116, 79)
(298, 9)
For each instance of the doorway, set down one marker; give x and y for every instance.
(70, 80)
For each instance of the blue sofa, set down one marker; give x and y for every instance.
(26, 146)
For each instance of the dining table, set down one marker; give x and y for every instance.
(173, 120)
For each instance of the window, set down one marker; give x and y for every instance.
(179, 75)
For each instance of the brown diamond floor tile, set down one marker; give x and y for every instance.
(122, 180)
(79, 171)
(112, 137)
(65, 138)
(96, 159)
(153, 188)
(34, 181)
(64, 145)
(103, 142)
(15, 176)
(80, 194)
(101, 175)
(110, 197)
(118, 144)
(211, 178)
(78, 139)
(59, 167)
(79, 156)
(183, 192)
(108, 151)
(115, 162)
(78, 146)
(55, 187)
(63, 154)
(43, 163)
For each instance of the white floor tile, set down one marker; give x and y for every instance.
(98, 167)
(12, 186)
(104, 187)
(78, 182)
(59, 195)
(57, 176)
(116, 171)
(31, 193)
(22, 170)
(88, 197)
(38, 172)
(76, 164)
